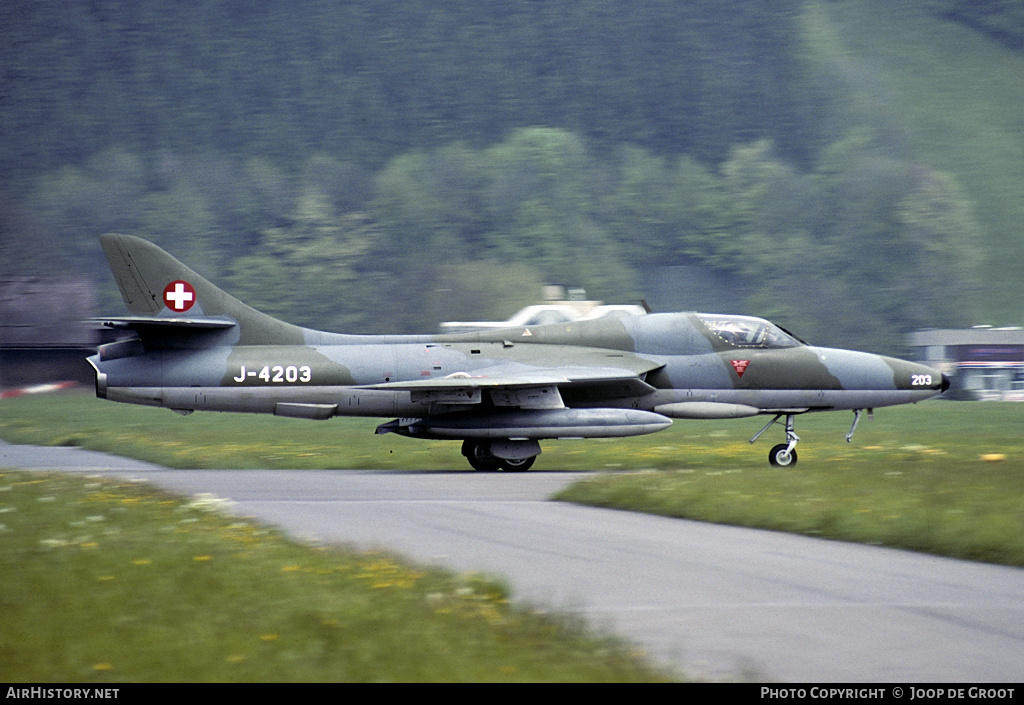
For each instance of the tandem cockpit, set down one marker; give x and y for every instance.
(748, 332)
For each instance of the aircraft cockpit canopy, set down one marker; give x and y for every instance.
(748, 332)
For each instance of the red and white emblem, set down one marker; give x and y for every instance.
(740, 366)
(179, 296)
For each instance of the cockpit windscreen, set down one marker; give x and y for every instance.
(748, 332)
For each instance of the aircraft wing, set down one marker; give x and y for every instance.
(532, 388)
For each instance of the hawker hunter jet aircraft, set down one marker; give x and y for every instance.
(191, 346)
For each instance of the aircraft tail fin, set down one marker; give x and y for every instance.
(155, 284)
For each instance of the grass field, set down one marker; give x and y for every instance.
(942, 477)
(108, 581)
(103, 580)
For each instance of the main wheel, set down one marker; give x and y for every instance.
(517, 465)
(779, 458)
(480, 457)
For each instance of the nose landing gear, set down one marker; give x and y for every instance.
(784, 454)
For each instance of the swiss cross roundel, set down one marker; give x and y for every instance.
(179, 296)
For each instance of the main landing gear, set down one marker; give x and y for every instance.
(510, 456)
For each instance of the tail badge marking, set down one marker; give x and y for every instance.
(179, 296)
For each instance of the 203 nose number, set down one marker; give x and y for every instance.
(920, 380)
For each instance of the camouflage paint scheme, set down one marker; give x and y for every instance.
(193, 347)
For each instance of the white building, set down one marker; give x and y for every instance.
(984, 363)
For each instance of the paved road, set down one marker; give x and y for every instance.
(720, 601)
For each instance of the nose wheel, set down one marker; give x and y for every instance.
(784, 454)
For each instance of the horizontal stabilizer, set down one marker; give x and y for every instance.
(136, 322)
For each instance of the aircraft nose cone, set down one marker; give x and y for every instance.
(945, 383)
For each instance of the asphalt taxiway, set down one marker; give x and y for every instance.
(717, 601)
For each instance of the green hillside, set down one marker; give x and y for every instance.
(954, 94)
(855, 165)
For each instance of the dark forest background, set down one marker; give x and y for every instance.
(380, 167)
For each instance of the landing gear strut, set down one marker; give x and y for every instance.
(784, 454)
(856, 420)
